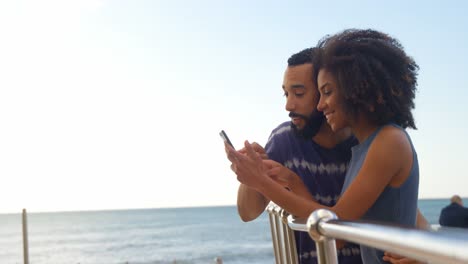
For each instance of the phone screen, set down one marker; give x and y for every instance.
(225, 137)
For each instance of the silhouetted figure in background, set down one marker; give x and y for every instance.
(455, 214)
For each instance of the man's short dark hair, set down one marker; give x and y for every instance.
(302, 57)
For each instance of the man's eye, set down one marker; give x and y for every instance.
(299, 94)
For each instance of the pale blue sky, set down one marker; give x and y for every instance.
(118, 104)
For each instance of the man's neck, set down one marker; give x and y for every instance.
(326, 138)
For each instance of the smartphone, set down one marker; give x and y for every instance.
(225, 138)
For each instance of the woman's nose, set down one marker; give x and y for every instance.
(321, 105)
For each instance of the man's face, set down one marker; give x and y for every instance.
(301, 100)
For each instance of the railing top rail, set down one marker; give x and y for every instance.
(446, 245)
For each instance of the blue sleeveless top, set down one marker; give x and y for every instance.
(394, 205)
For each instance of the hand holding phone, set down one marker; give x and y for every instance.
(226, 138)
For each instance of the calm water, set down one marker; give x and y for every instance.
(182, 235)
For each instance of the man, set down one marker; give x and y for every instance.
(308, 147)
(454, 215)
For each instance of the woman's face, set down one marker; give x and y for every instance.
(331, 101)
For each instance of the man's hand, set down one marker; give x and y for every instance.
(421, 223)
(257, 148)
(248, 167)
(397, 259)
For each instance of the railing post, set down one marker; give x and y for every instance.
(280, 235)
(290, 241)
(275, 235)
(326, 247)
(274, 232)
(25, 238)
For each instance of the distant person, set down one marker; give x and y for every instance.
(454, 214)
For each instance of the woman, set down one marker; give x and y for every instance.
(367, 83)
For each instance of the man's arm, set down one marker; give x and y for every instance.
(250, 203)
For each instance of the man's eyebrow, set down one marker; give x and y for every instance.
(295, 86)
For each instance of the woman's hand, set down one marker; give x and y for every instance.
(280, 174)
(287, 178)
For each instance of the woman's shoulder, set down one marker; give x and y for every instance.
(392, 137)
(392, 131)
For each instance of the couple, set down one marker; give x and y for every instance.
(357, 82)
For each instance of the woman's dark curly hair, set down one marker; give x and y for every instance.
(373, 73)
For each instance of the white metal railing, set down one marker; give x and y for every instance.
(284, 243)
(444, 245)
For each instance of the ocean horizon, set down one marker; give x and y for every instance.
(144, 236)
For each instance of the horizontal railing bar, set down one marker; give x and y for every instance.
(298, 224)
(444, 245)
(436, 247)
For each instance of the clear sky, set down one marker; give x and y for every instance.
(118, 104)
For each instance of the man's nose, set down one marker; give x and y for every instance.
(290, 105)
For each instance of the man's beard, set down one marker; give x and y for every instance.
(312, 124)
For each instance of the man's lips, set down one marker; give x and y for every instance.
(296, 120)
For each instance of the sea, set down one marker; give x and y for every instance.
(148, 236)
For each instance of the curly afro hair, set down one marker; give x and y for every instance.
(373, 72)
